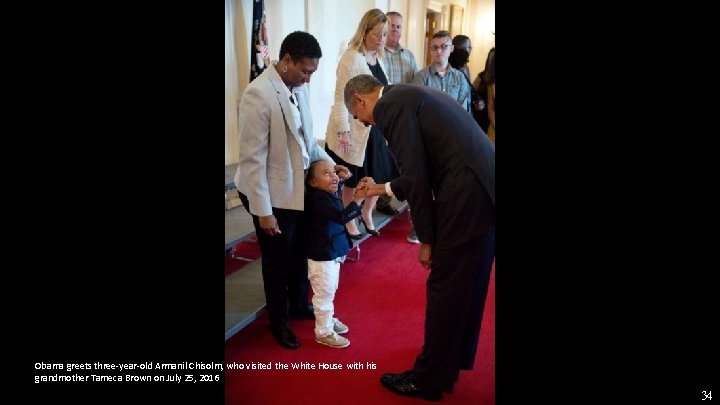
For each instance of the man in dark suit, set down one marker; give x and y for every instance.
(447, 166)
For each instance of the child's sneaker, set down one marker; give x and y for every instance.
(333, 340)
(339, 327)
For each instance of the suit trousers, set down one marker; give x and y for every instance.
(284, 266)
(456, 291)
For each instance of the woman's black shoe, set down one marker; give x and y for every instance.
(373, 232)
(355, 237)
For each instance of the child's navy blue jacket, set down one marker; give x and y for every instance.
(326, 217)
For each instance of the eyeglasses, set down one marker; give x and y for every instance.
(437, 48)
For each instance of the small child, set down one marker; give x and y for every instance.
(328, 245)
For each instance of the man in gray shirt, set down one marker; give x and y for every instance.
(441, 75)
(400, 62)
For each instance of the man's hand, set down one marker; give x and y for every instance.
(269, 225)
(372, 188)
(425, 255)
(366, 181)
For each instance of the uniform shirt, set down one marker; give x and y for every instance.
(453, 83)
(401, 65)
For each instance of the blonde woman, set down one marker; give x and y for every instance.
(350, 143)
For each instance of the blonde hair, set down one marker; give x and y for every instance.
(368, 21)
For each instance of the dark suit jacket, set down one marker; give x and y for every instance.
(447, 163)
(328, 238)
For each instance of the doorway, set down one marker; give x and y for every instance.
(432, 22)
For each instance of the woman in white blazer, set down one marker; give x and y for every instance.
(350, 143)
(276, 147)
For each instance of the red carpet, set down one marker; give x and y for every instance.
(382, 300)
(247, 249)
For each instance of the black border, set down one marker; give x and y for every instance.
(604, 290)
(586, 106)
(119, 265)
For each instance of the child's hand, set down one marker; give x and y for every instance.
(360, 193)
(342, 172)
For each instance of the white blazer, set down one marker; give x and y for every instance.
(352, 63)
(270, 171)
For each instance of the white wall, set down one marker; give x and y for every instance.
(479, 25)
(333, 22)
(243, 29)
(283, 17)
(231, 85)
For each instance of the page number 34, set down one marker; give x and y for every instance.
(707, 395)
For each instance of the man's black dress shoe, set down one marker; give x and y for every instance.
(285, 337)
(404, 384)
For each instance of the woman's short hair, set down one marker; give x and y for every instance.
(300, 44)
